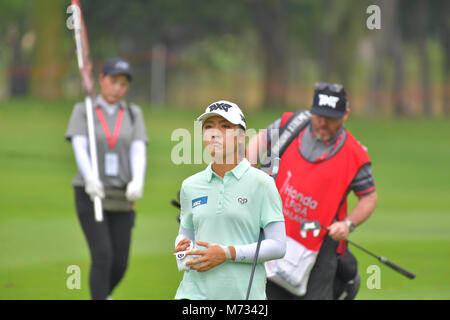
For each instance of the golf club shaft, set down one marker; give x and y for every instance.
(255, 261)
(382, 259)
(275, 167)
(385, 261)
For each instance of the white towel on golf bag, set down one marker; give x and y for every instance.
(293, 270)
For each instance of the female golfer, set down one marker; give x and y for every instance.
(222, 211)
(121, 148)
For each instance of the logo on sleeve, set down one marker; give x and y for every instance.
(199, 201)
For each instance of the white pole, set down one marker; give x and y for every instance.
(93, 153)
(88, 102)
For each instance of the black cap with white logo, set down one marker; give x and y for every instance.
(329, 100)
(116, 66)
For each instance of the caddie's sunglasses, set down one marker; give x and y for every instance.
(333, 87)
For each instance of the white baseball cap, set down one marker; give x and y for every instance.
(229, 110)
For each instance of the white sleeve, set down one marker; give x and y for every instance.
(184, 233)
(82, 158)
(138, 160)
(272, 247)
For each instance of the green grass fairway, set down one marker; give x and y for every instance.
(40, 235)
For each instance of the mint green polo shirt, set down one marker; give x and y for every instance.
(228, 211)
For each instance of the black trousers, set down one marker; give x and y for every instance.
(321, 279)
(109, 244)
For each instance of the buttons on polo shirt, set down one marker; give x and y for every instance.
(220, 197)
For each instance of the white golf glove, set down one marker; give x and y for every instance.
(94, 187)
(135, 189)
(182, 258)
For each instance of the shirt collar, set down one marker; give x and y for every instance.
(209, 172)
(106, 106)
(237, 171)
(241, 168)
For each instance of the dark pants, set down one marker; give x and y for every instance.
(109, 244)
(321, 279)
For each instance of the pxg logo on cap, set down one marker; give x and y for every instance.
(122, 65)
(219, 106)
(226, 109)
(329, 100)
(117, 66)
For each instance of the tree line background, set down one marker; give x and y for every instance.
(259, 53)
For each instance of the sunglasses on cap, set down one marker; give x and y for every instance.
(333, 87)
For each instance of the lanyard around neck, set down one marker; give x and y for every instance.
(111, 139)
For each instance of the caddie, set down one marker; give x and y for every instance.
(121, 140)
(223, 209)
(321, 164)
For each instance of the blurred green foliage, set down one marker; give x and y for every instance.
(40, 235)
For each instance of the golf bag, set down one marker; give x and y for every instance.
(347, 281)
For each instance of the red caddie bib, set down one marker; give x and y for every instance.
(316, 191)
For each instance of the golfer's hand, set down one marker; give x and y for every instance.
(210, 257)
(135, 189)
(182, 245)
(94, 188)
(339, 231)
